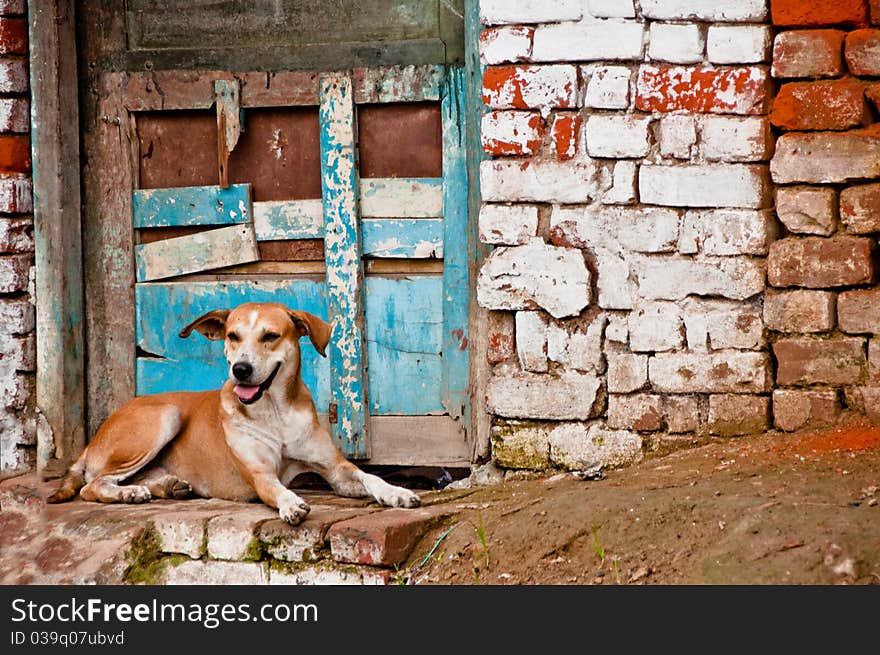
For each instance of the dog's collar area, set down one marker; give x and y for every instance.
(247, 395)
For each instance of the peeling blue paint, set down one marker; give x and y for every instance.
(194, 205)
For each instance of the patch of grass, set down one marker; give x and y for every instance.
(400, 576)
(480, 529)
(615, 568)
(597, 547)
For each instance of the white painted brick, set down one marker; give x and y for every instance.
(197, 572)
(623, 187)
(627, 373)
(501, 45)
(13, 7)
(638, 229)
(617, 136)
(727, 232)
(678, 44)
(508, 225)
(511, 132)
(735, 139)
(738, 44)
(578, 348)
(535, 395)
(16, 194)
(612, 8)
(230, 535)
(617, 330)
(576, 446)
(655, 327)
(531, 341)
(730, 371)
(638, 411)
(678, 134)
(608, 87)
(807, 209)
(497, 12)
(682, 414)
(14, 271)
(716, 185)
(16, 389)
(16, 316)
(15, 115)
(16, 235)
(670, 278)
(13, 75)
(604, 40)
(15, 431)
(537, 181)
(534, 276)
(719, 325)
(707, 10)
(533, 87)
(18, 352)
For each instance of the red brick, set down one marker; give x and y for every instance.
(804, 409)
(13, 36)
(822, 105)
(819, 263)
(805, 360)
(808, 53)
(502, 343)
(15, 153)
(14, 270)
(384, 538)
(860, 208)
(530, 87)
(819, 13)
(16, 235)
(863, 52)
(858, 311)
(875, 11)
(512, 132)
(566, 134)
(702, 90)
(825, 157)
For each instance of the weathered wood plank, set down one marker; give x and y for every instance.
(419, 441)
(371, 267)
(228, 124)
(289, 219)
(455, 265)
(418, 238)
(196, 205)
(224, 246)
(397, 84)
(291, 251)
(345, 273)
(402, 197)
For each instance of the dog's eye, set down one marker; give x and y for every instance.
(233, 337)
(269, 337)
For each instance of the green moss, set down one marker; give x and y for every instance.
(144, 558)
(254, 551)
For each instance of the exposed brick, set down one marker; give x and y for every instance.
(13, 75)
(732, 415)
(858, 311)
(16, 315)
(534, 395)
(501, 337)
(872, 93)
(501, 45)
(297, 543)
(626, 372)
(566, 132)
(716, 372)
(19, 353)
(821, 105)
(15, 115)
(875, 11)
(807, 210)
(535, 181)
(15, 153)
(182, 531)
(13, 36)
(608, 87)
(577, 446)
(806, 360)
(676, 43)
(535, 276)
(509, 225)
(827, 157)
(727, 232)
(16, 235)
(496, 12)
(734, 139)
(702, 90)
(618, 136)
(382, 538)
(642, 229)
(863, 52)
(820, 263)
(799, 310)
(14, 273)
(860, 208)
(706, 10)
(511, 132)
(819, 13)
(16, 194)
(655, 327)
(608, 40)
(531, 341)
(612, 8)
(874, 361)
(667, 278)
(12, 7)
(16, 388)
(715, 185)
(738, 44)
(808, 53)
(530, 87)
(640, 411)
(682, 414)
(230, 535)
(804, 409)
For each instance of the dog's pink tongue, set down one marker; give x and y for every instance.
(246, 391)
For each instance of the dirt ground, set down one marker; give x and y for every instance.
(774, 509)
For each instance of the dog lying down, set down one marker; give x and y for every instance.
(245, 441)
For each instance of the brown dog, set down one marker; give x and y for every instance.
(247, 440)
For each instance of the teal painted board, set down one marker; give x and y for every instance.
(345, 273)
(195, 363)
(193, 205)
(455, 266)
(404, 336)
(419, 238)
(289, 219)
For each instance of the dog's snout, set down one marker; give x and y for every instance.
(242, 370)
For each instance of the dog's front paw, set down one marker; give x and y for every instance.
(294, 510)
(134, 493)
(400, 497)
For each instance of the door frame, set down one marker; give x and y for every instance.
(68, 238)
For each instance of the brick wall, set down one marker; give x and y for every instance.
(629, 195)
(17, 432)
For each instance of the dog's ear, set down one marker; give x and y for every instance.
(212, 325)
(317, 329)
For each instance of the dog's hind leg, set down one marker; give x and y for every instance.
(162, 484)
(112, 460)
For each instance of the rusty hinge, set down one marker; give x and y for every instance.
(334, 413)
